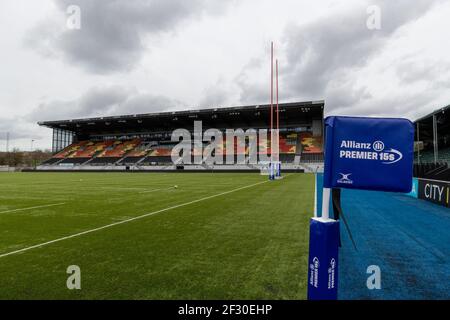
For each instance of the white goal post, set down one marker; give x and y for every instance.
(264, 167)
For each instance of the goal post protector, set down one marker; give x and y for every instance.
(323, 245)
(278, 170)
(275, 170)
(323, 264)
(360, 153)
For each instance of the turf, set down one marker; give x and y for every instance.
(247, 244)
(407, 238)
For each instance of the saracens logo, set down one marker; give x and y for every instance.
(375, 151)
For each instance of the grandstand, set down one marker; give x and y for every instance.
(432, 150)
(144, 141)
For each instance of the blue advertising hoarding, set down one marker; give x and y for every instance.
(369, 153)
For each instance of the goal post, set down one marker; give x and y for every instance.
(264, 168)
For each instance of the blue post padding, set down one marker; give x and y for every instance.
(278, 169)
(323, 260)
(271, 171)
(369, 153)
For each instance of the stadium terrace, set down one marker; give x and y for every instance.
(243, 144)
(144, 141)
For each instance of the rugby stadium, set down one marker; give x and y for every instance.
(111, 201)
(143, 142)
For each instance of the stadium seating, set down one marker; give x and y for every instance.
(130, 160)
(161, 151)
(311, 144)
(138, 153)
(91, 149)
(444, 154)
(78, 160)
(119, 148)
(288, 143)
(155, 160)
(287, 158)
(433, 171)
(311, 157)
(51, 161)
(103, 160)
(427, 156)
(66, 152)
(159, 154)
(114, 152)
(293, 145)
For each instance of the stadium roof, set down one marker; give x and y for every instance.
(256, 116)
(440, 110)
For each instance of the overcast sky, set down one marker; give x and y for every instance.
(139, 56)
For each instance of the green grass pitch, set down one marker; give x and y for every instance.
(247, 244)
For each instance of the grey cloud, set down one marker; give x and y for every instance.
(319, 53)
(146, 103)
(217, 95)
(252, 90)
(18, 128)
(325, 57)
(102, 102)
(409, 70)
(113, 33)
(214, 96)
(95, 102)
(394, 106)
(9, 126)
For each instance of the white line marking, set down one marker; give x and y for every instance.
(128, 220)
(37, 207)
(113, 188)
(154, 190)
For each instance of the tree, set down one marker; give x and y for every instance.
(15, 158)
